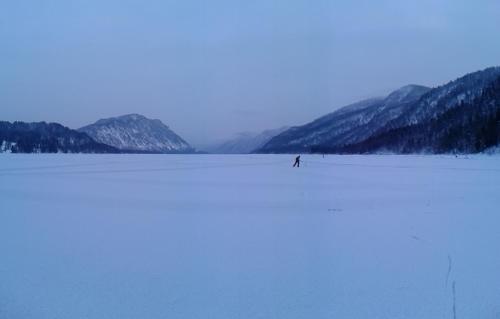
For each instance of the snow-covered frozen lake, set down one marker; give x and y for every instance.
(208, 236)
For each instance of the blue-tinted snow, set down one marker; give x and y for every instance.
(206, 236)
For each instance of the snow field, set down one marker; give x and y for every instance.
(248, 236)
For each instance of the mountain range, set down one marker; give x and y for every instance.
(131, 133)
(469, 126)
(347, 125)
(384, 124)
(460, 116)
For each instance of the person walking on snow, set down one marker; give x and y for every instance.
(297, 161)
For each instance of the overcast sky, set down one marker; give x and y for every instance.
(209, 69)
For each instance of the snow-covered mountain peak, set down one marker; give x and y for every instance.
(128, 119)
(406, 93)
(135, 132)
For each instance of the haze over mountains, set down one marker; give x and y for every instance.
(460, 116)
(244, 143)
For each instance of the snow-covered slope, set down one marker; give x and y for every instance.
(134, 132)
(349, 124)
(469, 126)
(409, 106)
(442, 98)
(244, 143)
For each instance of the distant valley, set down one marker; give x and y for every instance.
(244, 143)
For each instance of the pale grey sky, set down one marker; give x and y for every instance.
(209, 69)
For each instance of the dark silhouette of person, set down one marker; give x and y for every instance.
(297, 161)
